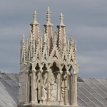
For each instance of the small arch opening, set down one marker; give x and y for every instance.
(37, 67)
(44, 67)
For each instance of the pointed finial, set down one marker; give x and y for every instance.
(48, 15)
(61, 20)
(35, 18)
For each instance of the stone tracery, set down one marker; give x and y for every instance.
(49, 63)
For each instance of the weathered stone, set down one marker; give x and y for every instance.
(48, 75)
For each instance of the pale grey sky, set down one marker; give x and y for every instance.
(85, 20)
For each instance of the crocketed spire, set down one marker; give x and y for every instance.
(48, 67)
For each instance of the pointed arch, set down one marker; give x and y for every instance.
(55, 53)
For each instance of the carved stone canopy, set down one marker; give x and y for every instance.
(48, 66)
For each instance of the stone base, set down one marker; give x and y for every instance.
(32, 105)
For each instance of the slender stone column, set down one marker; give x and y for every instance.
(58, 87)
(33, 87)
(40, 85)
(69, 89)
(48, 91)
(66, 90)
(74, 91)
(27, 87)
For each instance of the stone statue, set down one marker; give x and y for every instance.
(54, 92)
(64, 91)
(44, 95)
(53, 88)
(44, 87)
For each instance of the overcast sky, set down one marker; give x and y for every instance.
(85, 20)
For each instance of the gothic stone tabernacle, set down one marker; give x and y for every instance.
(48, 67)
